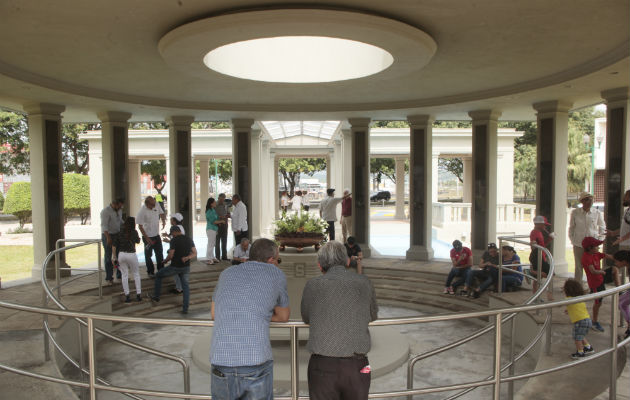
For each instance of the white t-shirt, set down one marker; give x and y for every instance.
(239, 217)
(296, 203)
(240, 253)
(150, 219)
(625, 228)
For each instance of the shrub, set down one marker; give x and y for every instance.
(18, 201)
(76, 196)
(1, 201)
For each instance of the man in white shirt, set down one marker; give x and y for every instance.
(239, 219)
(584, 221)
(241, 252)
(148, 220)
(328, 211)
(623, 233)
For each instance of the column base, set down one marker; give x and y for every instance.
(366, 250)
(419, 253)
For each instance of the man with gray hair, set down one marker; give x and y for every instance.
(338, 305)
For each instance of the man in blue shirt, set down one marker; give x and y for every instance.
(247, 297)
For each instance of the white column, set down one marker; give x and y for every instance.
(276, 183)
(44, 132)
(135, 200)
(204, 168)
(468, 179)
(347, 158)
(337, 172)
(400, 187)
(257, 176)
(434, 176)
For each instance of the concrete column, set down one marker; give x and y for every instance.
(267, 187)
(360, 131)
(346, 158)
(434, 176)
(617, 157)
(255, 206)
(551, 172)
(241, 163)
(135, 198)
(276, 183)
(115, 147)
(484, 193)
(420, 178)
(204, 174)
(468, 180)
(337, 172)
(400, 187)
(44, 132)
(180, 169)
(329, 171)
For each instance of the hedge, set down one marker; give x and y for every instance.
(1, 201)
(18, 202)
(76, 196)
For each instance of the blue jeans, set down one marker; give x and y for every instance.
(457, 272)
(510, 280)
(248, 383)
(183, 273)
(109, 267)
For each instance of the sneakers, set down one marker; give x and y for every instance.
(445, 290)
(138, 297)
(598, 327)
(127, 299)
(577, 355)
(463, 293)
(588, 349)
(154, 299)
(476, 294)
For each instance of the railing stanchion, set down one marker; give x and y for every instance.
(295, 376)
(497, 356)
(44, 323)
(512, 351)
(500, 280)
(614, 321)
(84, 392)
(91, 358)
(58, 274)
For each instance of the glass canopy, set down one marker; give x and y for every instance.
(286, 129)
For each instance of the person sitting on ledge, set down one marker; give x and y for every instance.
(462, 260)
(241, 252)
(354, 254)
(511, 280)
(487, 272)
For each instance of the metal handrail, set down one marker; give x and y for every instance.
(48, 294)
(294, 325)
(546, 327)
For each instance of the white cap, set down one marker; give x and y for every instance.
(178, 217)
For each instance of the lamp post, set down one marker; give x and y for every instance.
(587, 141)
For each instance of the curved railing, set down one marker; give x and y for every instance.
(495, 379)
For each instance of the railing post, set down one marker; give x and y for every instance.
(44, 323)
(91, 358)
(500, 280)
(614, 316)
(84, 392)
(295, 376)
(57, 275)
(512, 350)
(100, 280)
(497, 357)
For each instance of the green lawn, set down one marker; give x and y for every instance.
(16, 262)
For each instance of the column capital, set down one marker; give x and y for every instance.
(242, 123)
(114, 117)
(359, 122)
(183, 121)
(616, 95)
(402, 158)
(484, 115)
(552, 106)
(420, 121)
(35, 108)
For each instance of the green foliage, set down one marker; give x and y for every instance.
(525, 170)
(76, 196)
(223, 168)
(18, 201)
(291, 168)
(389, 124)
(75, 150)
(14, 157)
(1, 200)
(579, 160)
(211, 125)
(157, 170)
(303, 224)
(452, 124)
(453, 165)
(148, 125)
(380, 167)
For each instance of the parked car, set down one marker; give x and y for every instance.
(382, 195)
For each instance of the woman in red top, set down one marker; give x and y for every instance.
(542, 237)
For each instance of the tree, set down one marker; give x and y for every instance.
(211, 125)
(380, 167)
(525, 170)
(291, 168)
(579, 160)
(1, 201)
(18, 202)
(157, 170)
(74, 150)
(453, 165)
(76, 196)
(14, 155)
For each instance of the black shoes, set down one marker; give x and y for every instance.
(127, 299)
(138, 297)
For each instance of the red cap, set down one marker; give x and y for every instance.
(589, 242)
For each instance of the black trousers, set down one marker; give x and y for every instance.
(335, 378)
(331, 230)
(239, 236)
(159, 254)
(220, 248)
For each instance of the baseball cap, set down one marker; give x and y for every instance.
(178, 217)
(492, 246)
(584, 195)
(330, 191)
(589, 242)
(540, 219)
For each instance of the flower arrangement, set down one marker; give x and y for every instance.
(300, 225)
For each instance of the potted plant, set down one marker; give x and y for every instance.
(300, 230)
